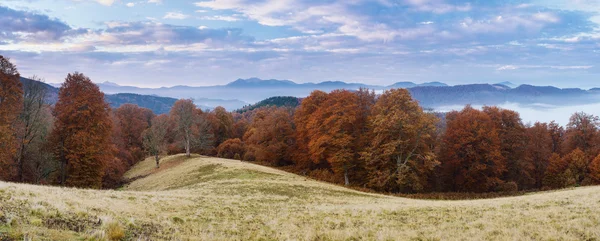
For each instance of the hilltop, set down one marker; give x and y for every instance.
(204, 198)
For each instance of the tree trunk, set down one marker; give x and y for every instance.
(187, 147)
(157, 161)
(346, 180)
(21, 163)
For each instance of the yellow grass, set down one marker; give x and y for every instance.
(216, 199)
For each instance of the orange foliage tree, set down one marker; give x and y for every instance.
(555, 173)
(231, 149)
(332, 130)
(594, 171)
(11, 100)
(222, 125)
(513, 140)
(82, 132)
(400, 156)
(471, 152)
(538, 151)
(270, 136)
(302, 116)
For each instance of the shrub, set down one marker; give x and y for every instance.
(114, 231)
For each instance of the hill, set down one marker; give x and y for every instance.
(279, 101)
(218, 199)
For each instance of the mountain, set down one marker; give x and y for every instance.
(433, 84)
(159, 105)
(507, 84)
(258, 83)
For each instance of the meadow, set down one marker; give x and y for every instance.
(204, 198)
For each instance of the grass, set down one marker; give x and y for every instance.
(203, 198)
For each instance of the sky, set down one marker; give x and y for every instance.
(155, 43)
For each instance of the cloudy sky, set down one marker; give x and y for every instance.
(155, 43)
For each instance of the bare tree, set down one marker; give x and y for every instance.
(32, 121)
(155, 137)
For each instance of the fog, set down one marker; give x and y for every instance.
(532, 113)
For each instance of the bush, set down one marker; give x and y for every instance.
(237, 156)
(115, 232)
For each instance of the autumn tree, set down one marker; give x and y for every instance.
(155, 137)
(332, 133)
(555, 173)
(11, 100)
(399, 156)
(577, 169)
(133, 121)
(222, 125)
(302, 116)
(82, 132)
(594, 171)
(192, 126)
(538, 149)
(513, 140)
(471, 154)
(232, 149)
(270, 136)
(582, 133)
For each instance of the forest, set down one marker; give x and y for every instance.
(386, 143)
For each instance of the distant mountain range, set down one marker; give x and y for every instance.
(243, 92)
(158, 105)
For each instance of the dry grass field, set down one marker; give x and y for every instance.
(217, 199)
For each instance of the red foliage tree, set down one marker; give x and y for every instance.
(132, 122)
(11, 100)
(539, 149)
(471, 153)
(82, 132)
(302, 116)
(513, 140)
(270, 136)
(231, 149)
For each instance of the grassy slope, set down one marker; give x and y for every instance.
(216, 199)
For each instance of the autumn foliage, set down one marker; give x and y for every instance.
(387, 142)
(82, 132)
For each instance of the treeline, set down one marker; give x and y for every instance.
(387, 143)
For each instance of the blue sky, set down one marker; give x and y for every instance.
(155, 43)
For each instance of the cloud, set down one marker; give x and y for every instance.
(19, 26)
(106, 2)
(232, 18)
(557, 67)
(130, 5)
(175, 15)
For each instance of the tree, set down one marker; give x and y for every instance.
(270, 136)
(555, 174)
(594, 171)
(183, 113)
(557, 133)
(582, 133)
(302, 117)
(231, 149)
(471, 153)
(132, 122)
(577, 166)
(513, 140)
(33, 122)
(11, 101)
(399, 156)
(223, 126)
(332, 133)
(539, 149)
(82, 132)
(192, 125)
(155, 137)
